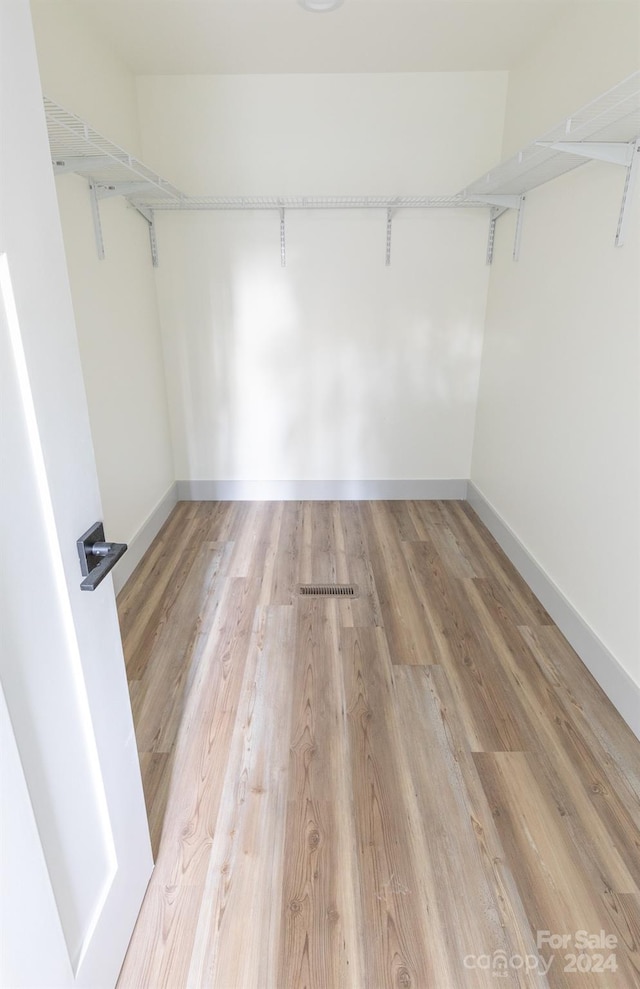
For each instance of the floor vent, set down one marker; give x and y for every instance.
(327, 590)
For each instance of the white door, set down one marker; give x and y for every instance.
(75, 851)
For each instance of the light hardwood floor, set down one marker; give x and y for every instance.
(397, 790)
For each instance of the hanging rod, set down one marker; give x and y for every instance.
(308, 202)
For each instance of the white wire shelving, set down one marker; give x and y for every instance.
(613, 117)
(607, 129)
(109, 170)
(76, 147)
(317, 202)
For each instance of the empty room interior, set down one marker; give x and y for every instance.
(356, 313)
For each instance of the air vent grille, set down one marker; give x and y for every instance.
(327, 590)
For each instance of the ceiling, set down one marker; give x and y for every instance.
(169, 37)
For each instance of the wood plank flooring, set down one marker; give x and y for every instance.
(394, 791)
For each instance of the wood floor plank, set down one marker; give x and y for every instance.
(470, 921)
(509, 604)
(451, 643)
(227, 519)
(167, 925)
(286, 575)
(202, 745)
(252, 539)
(267, 555)
(424, 514)
(402, 613)
(347, 608)
(590, 708)
(396, 912)
(402, 520)
(445, 623)
(245, 871)
(496, 562)
(156, 768)
(451, 520)
(490, 706)
(318, 556)
(365, 609)
(456, 560)
(626, 906)
(320, 944)
(176, 648)
(164, 569)
(557, 894)
(450, 729)
(156, 564)
(604, 833)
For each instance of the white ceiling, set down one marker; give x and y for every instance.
(265, 36)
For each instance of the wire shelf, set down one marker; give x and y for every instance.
(308, 202)
(76, 147)
(612, 117)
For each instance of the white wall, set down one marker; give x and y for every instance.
(114, 300)
(82, 73)
(558, 432)
(334, 367)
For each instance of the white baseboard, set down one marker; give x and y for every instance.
(143, 538)
(449, 489)
(621, 690)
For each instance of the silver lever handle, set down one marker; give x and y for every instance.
(97, 557)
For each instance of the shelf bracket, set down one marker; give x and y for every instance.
(616, 153)
(97, 223)
(390, 211)
(518, 233)
(626, 154)
(494, 213)
(629, 184)
(149, 216)
(283, 242)
(497, 209)
(492, 236)
(387, 259)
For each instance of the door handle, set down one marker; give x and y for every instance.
(97, 557)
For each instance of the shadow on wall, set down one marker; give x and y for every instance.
(334, 367)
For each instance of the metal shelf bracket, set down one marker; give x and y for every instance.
(629, 185)
(148, 215)
(98, 191)
(283, 241)
(614, 152)
(494, 213)
(387, 259)
(499, 207)
(622, 153)
(97, 223)
(518, 234)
